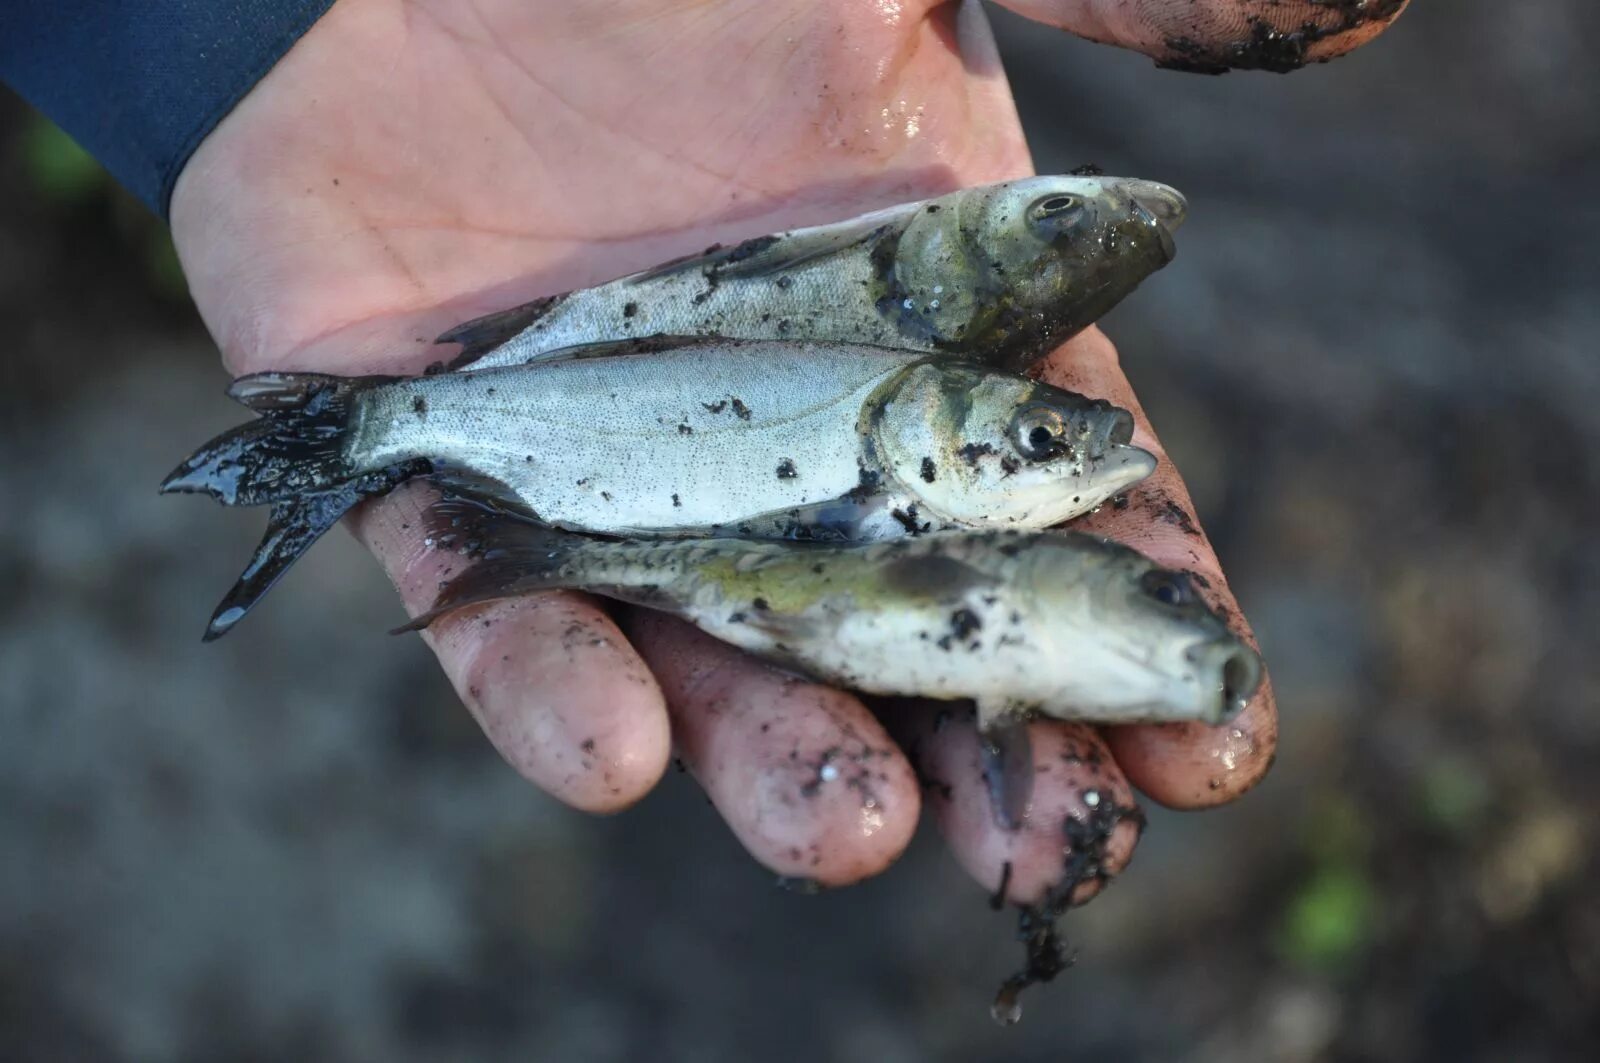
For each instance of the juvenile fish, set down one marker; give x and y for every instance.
(999, 273)
(766, 439)
(1062, 624)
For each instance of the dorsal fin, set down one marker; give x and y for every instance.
(483, 334)
(761, 255)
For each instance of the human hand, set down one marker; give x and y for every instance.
(413, 163)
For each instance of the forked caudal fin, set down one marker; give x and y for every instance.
(292, 458)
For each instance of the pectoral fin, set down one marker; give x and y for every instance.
(483, 334)
(1007, 755)
(509, 553)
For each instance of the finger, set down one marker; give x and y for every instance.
(1185, 765)
(551, 680)
(1082, 822)
(1211, 36)
(805, 776)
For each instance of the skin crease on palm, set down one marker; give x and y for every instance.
(412, 163)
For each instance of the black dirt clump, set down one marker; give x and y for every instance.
(964, 622)
(866, 486)
(930, 471)
(1088, 169)
(786, 469)
(740, 409)
(1272, 49)
(1046, 952)
(973, 451)
(753, 246)
(997, 900)
(908, 520)
(630, 309)
(1173, 513)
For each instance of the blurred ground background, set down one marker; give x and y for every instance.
(1376, 360)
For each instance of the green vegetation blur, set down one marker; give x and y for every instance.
(64, 178)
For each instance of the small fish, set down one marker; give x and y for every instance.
(1061, 624)
(766, 439)
(999, 273)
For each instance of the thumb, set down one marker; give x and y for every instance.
(1214, 36)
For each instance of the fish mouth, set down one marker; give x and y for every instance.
(1236, 672)
(1162, 202)
(1163, 208)
(1122, 466)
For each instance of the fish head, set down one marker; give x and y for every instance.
(1024, 264)
(979, 448)
(1153, 642)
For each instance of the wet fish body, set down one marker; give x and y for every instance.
(709, 438)
(998, 273)
(1055, 623)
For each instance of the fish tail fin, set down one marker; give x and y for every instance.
(292, 528)
(512, 554)
(295, 448)
(291, 458)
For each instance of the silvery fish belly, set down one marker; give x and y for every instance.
(1061, 624)
(999, 273)
(770, 439)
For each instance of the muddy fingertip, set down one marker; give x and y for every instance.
(1190, 766)
(806, 778)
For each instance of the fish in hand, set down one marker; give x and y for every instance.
(999, 273)
(703, 438)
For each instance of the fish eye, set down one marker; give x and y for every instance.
(1040, 432)
(1055, 207)
(1168, 588)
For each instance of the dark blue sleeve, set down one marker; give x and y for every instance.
(139, 83)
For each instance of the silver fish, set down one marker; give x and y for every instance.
(998, 273)
(1062, 624)
(766, 439)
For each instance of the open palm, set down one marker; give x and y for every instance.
(412, 163)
